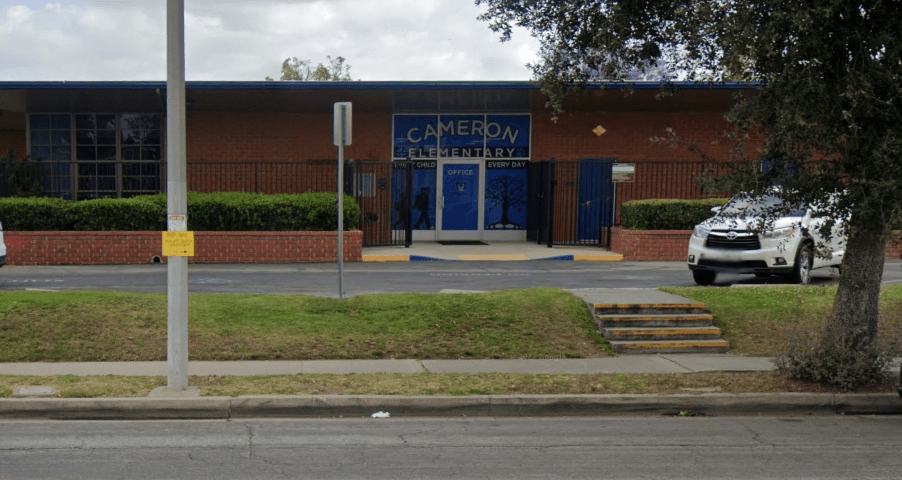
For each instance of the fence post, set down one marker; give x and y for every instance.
(408, 186)
(550, 202)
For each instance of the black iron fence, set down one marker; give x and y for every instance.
(577, 203)
(569, 203)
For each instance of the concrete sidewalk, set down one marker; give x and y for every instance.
(165, 404)
(682, 363)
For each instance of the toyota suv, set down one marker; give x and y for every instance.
(738, 240)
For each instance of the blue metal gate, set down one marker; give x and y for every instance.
(595, 213)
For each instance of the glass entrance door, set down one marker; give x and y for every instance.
(460, 200)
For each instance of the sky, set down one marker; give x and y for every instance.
(234, 40)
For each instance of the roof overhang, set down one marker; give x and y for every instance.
(396, 97)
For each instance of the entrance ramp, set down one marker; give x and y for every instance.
(489, 251)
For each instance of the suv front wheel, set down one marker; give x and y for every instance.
(801, 272)
(704, 277)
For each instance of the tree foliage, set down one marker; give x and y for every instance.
(827, 79)
(334, 70)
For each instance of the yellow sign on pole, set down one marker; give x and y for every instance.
(178, 244)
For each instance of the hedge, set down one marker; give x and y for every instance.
(667, 214)
(231, 211)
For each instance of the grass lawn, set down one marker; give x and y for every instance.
(538, 323)
(433, 384)
(759, 321)
(117, 326)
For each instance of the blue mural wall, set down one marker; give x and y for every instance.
(505, 194)
(422, 205)
(500, 142)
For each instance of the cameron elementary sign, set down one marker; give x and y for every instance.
(461, 136)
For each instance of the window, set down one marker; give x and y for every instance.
(51, 147)
(113, 155)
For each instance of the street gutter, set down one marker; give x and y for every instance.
(335, 406)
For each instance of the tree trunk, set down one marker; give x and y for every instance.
(856, 308)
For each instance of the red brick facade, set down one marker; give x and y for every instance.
(122, 248)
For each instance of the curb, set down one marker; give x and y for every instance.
(326, 406)
(492, 257)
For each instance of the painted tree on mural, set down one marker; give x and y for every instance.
(506, 192)
(828, 103)
(334, 70)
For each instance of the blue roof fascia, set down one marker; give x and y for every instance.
(386, 85)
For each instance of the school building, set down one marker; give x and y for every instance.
(429, 161)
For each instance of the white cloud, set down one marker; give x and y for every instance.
(241, 40)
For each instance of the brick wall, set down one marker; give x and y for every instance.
(282, 137)
(121, 248)
(650, 245)
(664, 245)
(894, 246)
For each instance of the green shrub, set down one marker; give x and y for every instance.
(36, 214)
(126, 214)
(667, 214)
(231, 211)
(23, 178)
(259, 212)
(832, 360)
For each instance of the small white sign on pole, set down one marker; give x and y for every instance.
(341, 124)
(341, 136)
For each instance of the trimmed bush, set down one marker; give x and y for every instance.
(229, 211)
(667, 214)
(36, 214)
(232, 211)
(126, 214)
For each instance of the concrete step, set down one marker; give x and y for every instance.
(670, 346)
(651, 308)
(668, 334)
(654, 320)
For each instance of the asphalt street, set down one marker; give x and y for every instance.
(367, 278)
(638, 448)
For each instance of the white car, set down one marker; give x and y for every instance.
(2, 247)
(733, 241)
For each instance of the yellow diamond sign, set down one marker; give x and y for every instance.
(599, 130)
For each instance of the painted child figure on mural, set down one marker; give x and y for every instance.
(421, 203)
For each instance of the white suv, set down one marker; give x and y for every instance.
(728, 242)
(2, 247)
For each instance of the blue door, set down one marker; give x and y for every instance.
(596, 199)
(460, 198)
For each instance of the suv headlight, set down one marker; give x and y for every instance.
(779, 232)
(700, 232)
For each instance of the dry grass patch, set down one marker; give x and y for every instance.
(70, 386)
(436, 384)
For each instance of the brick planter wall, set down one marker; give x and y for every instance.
(650, 244)
(673, 244)
(122, 248)
(894, 246)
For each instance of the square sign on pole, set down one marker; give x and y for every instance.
(341, 136)
(341, 124)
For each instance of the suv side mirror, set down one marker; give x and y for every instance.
(716, 210)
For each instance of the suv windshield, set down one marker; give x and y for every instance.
(745, 206)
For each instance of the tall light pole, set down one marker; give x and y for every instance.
(177, 203)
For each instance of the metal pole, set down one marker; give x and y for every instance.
(177, 210)
(341, 216)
